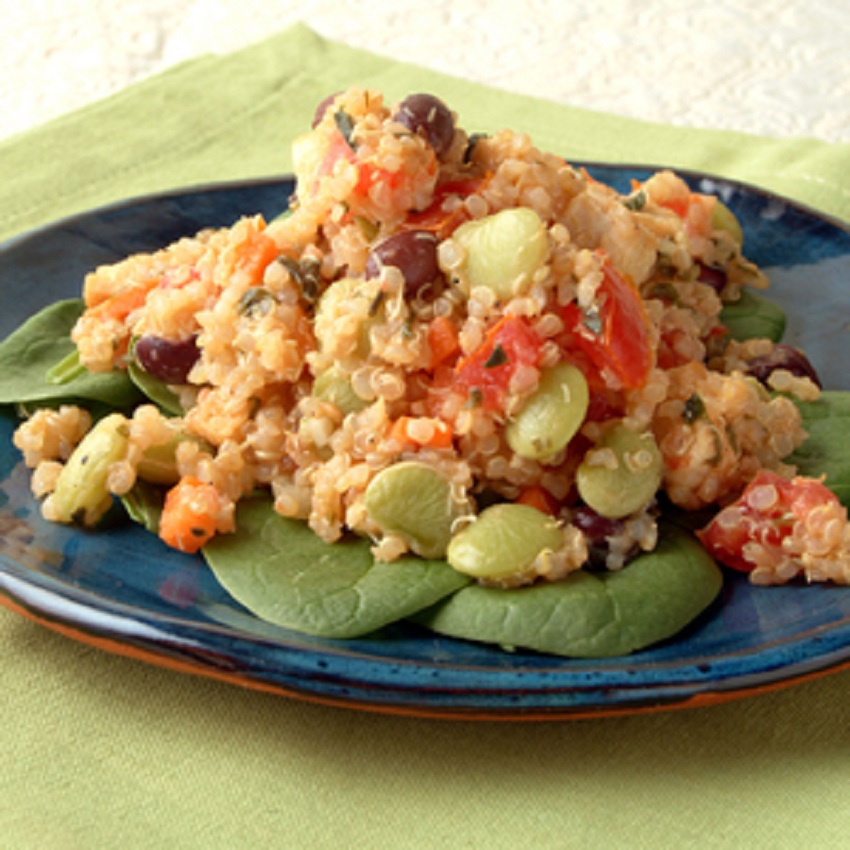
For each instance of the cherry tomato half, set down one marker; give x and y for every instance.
(766, 513)
(616, 338)
(509, 344)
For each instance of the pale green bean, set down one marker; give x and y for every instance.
(503, 250)
(722, 218)
(158, 463)
(334, 386)
(553, 414)
(81, 493)
(504, 540)
(414, 501)
(622, 473)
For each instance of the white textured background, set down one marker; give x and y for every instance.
(776, 67)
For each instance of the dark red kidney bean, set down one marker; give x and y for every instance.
(165, 359)
(786, 357)
(413, 253)
(597, 529)
(323, 107)
(595, 526)
(429, 117)
(715, 277)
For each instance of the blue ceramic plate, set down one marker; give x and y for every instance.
(124, 591)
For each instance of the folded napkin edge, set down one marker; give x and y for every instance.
(295, 68)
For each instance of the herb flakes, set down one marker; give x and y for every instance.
(636, 201)
(345, 124)
(694, 409)
(498, 357)
(306, 274)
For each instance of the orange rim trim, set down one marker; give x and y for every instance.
(116, 647)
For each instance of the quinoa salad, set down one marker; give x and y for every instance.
(493, 373)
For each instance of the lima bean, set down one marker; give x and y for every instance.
(504, 540)
(551, 416)
(503, 250)
(81, 493)
(333, 386)
(414, 501)
(722, 218)
(621, 474)
(158, 464)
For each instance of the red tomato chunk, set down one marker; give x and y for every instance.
(509, 345)
(762, 528)
(616, 339)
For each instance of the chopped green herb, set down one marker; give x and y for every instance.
(345, 125)
(306, 274)
(474, 139)
(256, 301)
(476, 398)
(732, 437)
(718, 448)
(694, 409)
(376, 302)
(368, 228)
(498, 357)
(636, 201)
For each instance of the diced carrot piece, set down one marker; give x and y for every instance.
(678, 205)
(256, 254)
(121, 304)
(190, 516)
(422, 431)
(538, 497)
(443, 340)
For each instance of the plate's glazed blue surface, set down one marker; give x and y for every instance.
(123, 590)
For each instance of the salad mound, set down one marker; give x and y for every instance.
(467, 371)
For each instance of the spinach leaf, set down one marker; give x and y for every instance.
(590, 615)
(754, 317)
(827, 450)
(35, 364)
(282, 572)
(155, 389)
(144, 505)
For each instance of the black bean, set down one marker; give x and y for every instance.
(413, 253)
(595, 526)
(714, 276)
(597, 529)
(429, 117)
(785, 357)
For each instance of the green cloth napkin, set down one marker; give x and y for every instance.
(233, 117)
(98, 751)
